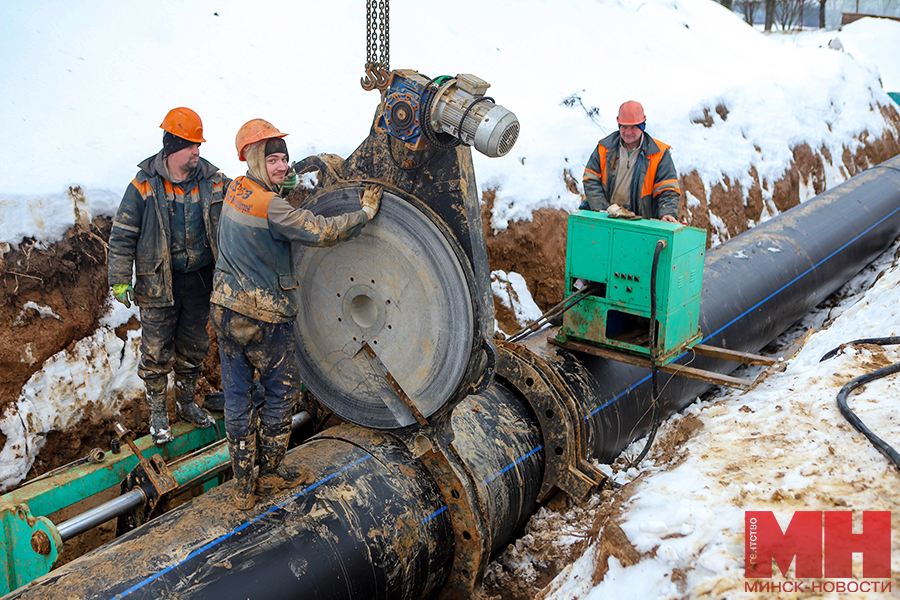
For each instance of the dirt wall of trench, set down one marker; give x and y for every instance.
(69, 277)
(536, 249)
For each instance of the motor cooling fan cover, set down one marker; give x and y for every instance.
(401, 287)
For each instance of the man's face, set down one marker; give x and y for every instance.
(631, 135)
(277, 167)
(185, 159)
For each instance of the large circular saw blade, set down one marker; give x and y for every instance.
(385, 328)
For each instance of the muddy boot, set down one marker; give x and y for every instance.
(159, 416)
(273, 476)
(185, 386)
(243, 456)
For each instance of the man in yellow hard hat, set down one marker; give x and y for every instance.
(630, 169)
(165, 233)
(255, 301)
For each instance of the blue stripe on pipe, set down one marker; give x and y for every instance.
(434, 514)
(754, 307)
(511, 465)
(221, 539)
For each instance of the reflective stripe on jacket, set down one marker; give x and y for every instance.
(654, 190)
(254, 273)
(141, 233)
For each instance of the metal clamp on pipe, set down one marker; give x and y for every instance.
(151, 475)
(470, 531)
(561, 422)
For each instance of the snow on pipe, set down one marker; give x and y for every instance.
(376, 521)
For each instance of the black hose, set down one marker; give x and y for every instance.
(466, 114)
(567, 303)
(425, 101)
(879, 444)
(415, 167)
(885, 341)
(654, 368)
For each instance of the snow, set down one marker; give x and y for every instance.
(512, 290)
(782, 447)
(86, 85)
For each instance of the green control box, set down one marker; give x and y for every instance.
(617, 255)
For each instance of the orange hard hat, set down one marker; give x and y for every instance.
(184, 123)
(631, 113)
(252, 131)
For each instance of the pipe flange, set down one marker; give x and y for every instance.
(562, 425)
(472, 539)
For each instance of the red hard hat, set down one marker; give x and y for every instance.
(631, 113)
(184, 123)
(252, 131)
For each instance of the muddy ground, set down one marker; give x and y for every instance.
(69, 277)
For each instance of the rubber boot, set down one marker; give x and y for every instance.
(185, 387)
(243, 457)
(273, 476)
(159, 416)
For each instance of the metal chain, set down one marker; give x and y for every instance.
(378, 45)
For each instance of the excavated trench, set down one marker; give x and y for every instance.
(69, 277)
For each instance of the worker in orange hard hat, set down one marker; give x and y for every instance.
(255, 300)
(633, 171)
(165, 233)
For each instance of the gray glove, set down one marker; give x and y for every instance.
(371, 200)
(617, 212)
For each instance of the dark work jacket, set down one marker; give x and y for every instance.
(654, 189)
(141, 235)
(254, 274)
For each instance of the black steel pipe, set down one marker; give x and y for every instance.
(374, 523)
(755, 286)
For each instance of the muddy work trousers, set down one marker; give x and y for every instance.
(246, 346)
(175, 337)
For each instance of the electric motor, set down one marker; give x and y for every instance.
(446, 111)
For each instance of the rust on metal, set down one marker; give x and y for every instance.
(565, 436)
(639, 361)
(40, 542)
(154, 470)
(373, 358)
(734, 355)
(470, 533)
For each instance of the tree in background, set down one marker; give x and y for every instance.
(788, 13)
(770, 14)
(749, 9)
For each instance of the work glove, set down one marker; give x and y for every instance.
(124, 293)
(291, 180)
(617, 212)
(371, 200)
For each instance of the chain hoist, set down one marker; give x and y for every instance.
(378, 45)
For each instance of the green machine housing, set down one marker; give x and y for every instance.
(617, 255)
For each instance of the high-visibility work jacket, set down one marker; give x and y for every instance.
(254, 273)
(654, 189)
(142, 239)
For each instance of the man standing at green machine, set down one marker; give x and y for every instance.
(630, 169)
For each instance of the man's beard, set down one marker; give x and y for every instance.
(190, 164)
